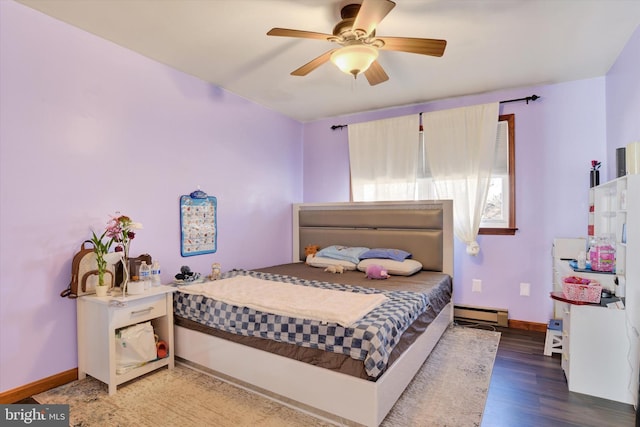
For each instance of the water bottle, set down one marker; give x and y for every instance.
(155, 274)
(582, 260)
(145, 274)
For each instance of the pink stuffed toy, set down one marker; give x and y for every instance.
(376, 272)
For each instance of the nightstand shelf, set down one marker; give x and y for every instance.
(100, 317)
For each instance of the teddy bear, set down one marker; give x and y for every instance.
(335, 269)
(376, 272)
(311, 249)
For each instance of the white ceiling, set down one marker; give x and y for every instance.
(492, 45)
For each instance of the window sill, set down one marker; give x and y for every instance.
(509, 231)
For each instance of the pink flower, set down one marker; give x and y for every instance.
(119, 228)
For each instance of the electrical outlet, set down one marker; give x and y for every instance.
(476, 285)
(525, 289)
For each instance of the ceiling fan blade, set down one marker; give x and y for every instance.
(285, 32)
(375, 74)
(313, 64)
(371, 13)
(433, 47)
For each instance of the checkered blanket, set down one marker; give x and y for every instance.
(371, 339)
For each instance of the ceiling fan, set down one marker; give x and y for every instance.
(356, 34)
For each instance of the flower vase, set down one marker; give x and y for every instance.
(101, 291)
(125, 267)
(125, 275)
(594, 178)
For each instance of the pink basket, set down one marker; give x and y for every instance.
(581, 289)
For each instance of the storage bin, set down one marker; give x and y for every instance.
(581, 289)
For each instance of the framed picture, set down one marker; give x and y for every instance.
(198, 224)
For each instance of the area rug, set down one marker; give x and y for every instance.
(450, 390)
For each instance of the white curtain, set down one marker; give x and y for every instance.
(460, 148)
(383, 156)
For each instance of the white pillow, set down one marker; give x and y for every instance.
(397, 268)
(322, 262)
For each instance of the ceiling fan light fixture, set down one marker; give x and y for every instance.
(354, 59)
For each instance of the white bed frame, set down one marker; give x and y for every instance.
(336, 397)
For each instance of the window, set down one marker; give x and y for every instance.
(500, 211)
(499, 215)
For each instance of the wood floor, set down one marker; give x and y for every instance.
(528, 389)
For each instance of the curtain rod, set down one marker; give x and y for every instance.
(527, 98)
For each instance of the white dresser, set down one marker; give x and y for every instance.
(616, 215)
(595, 348)
(98, 319)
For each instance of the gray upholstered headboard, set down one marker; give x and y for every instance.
(424, 228)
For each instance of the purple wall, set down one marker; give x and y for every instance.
(623, 101)
(556, 138)
(88, 128)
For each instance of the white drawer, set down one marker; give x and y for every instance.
(140, 311)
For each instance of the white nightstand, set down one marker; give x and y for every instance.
(98, 319)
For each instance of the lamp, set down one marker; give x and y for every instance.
(354, 59)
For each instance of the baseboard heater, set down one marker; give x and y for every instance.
(493, 316)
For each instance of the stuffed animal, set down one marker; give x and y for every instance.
(376, 272)
(310, 252)
(311, 249)
(335, 269)
(215, 271)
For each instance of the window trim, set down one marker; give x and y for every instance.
(511, 229)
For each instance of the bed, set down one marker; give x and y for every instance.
(345, 389)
